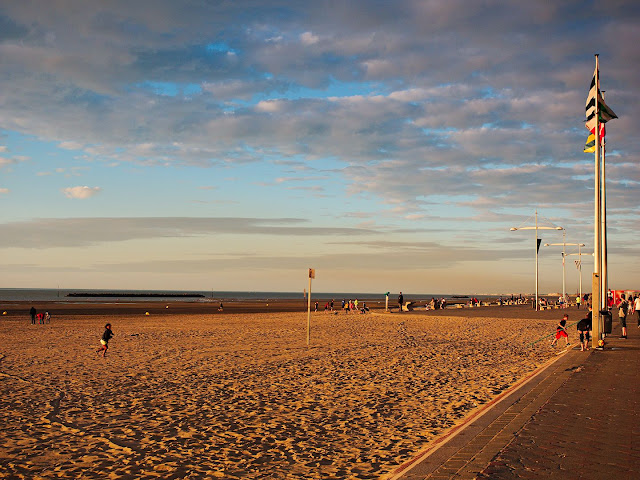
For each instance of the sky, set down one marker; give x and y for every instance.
(200, 145)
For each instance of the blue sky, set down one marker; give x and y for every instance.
(390, 145)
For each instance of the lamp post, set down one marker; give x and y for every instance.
(564, 244)
(579, 263)
(536, 227)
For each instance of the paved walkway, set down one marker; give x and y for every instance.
(577, 419)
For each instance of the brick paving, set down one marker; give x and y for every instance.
(578, 419)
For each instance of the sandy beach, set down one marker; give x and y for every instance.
(239, 395)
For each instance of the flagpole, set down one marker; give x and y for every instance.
(537, 247)
(603, 227)
(597, 242)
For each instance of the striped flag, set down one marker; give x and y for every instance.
(605, 113)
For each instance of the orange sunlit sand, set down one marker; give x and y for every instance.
(241, 396)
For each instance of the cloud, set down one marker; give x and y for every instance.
(295, 179)
(365, 261)
(271, 106)
(81, 192)
(70, 145)
(232, 91)
(308, 38)
(73, 232)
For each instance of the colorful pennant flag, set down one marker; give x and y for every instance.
(590, 146)
(604, 112)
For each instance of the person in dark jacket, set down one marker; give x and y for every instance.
(33, 312)
(104, 341)
(584, 330)
(623, 310)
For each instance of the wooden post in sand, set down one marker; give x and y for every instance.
(312, 274)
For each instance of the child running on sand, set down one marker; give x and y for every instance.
(561, 331)
(106, 336)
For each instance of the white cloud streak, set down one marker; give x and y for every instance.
(73, 232)
(81, 192)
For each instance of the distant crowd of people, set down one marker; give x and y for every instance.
(514, 300)
(354, 306)
(348, 306)
(436, 304)
(41, 318)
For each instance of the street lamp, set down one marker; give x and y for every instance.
(536, 227)
(564, 298)
(579, 263)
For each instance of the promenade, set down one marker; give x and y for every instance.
(578, 418)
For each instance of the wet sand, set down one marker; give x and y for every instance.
(128, 307)
(240, 395)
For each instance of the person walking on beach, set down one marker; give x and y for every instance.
(623, 310)
(578, 302)
(400, 302)
(104, 341)
(33, 312)
(561, 331)
(636, 306)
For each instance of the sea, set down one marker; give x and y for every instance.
(102, 296)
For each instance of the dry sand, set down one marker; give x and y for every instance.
(241, 396)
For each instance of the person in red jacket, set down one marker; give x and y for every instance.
(561, 331)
